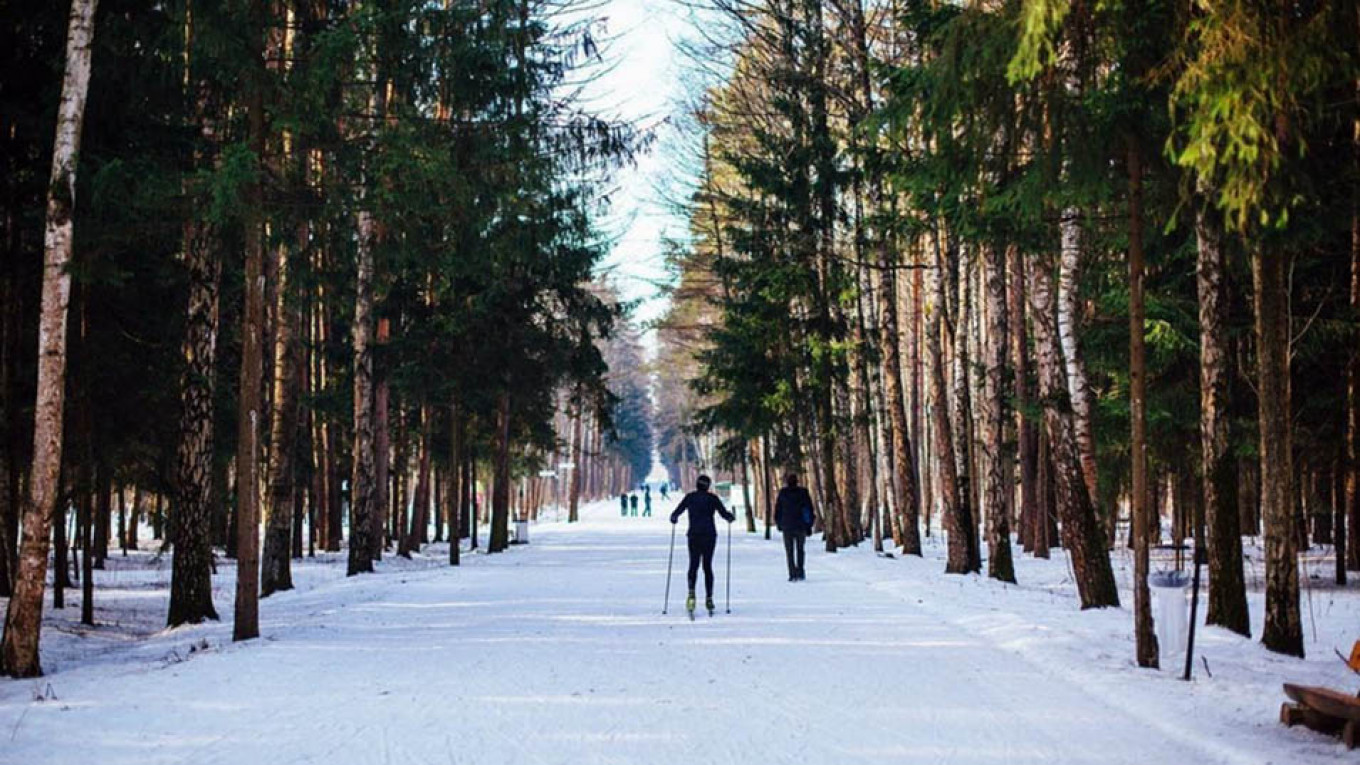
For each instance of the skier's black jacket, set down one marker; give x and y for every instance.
(701, 506)
(793, 513)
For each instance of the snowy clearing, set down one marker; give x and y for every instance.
(557, 652)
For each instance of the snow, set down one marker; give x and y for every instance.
(557, 652)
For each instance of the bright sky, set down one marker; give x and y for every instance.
(644, 85)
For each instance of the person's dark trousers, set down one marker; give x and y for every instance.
(701, 551)
(793, 552)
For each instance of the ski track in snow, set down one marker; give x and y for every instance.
(557, 652)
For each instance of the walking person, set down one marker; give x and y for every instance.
(632, 503)
(702, 535)
(794, 516)
(647, 502)
(623, 505)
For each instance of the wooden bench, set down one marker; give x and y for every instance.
(1325, 710)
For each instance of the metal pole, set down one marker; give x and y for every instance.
(669, 560)
(729, 567)
(1199, 555)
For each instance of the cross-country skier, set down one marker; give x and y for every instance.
(794, 516)
(647, 502)
(702, 536)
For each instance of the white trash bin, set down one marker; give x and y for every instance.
(1169, 612)
(521, 532)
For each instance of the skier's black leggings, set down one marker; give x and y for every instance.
(701, 549)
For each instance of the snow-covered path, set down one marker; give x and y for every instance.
(558, 653)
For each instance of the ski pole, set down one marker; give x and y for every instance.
(729, 567)
(669, 560)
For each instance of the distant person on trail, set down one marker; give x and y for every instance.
(647, 502)
(794, 516)
(665, 493)
(632, 503)
(702, 535)
(623, 505)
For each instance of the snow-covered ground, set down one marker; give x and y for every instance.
(557, 652)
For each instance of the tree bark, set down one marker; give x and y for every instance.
(768, 484)
(382, 453)
(961, 414)
(956, 513)
(276, 561)
(1283, 631)
(1352, 464)
(23, 617)
(904, 475)
(9, 506)
(363, 491)
(574, 496)
(246, 624)
(411, 537)
(85, 528)
(500, 500)
(191, 577)
(1227, 605)
(1027, 435)
(1081, 534)
(455, 485)
(1145, 640)
(1069, 314)
(994, 486)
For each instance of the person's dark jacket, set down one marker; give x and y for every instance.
(702, 505)
(793, 510)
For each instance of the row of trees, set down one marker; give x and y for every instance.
(331, 262)
(1037, 268)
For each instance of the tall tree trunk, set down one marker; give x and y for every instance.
(994, 484)
(382, 453)
(1145, 640)
(470, 479)
(363, 488)
(276, 561)
(411, 537)
(1027, 435)
(1227, 588)
(956, 512)
(9, 509)
(1352, 464)
(1283, 631)
(1081, 534)
(961, 413)
(1069, 314)
(455, 485)
(23, 617)
(920, 425)
(100, 531)
(908, 495)
(85, 528)
(767, 488)
(500, 500)
(191, 577)
(246, 623)
(577, 458)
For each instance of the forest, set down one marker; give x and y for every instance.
(1045, 278)
(1033, 274)
(298, 275)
